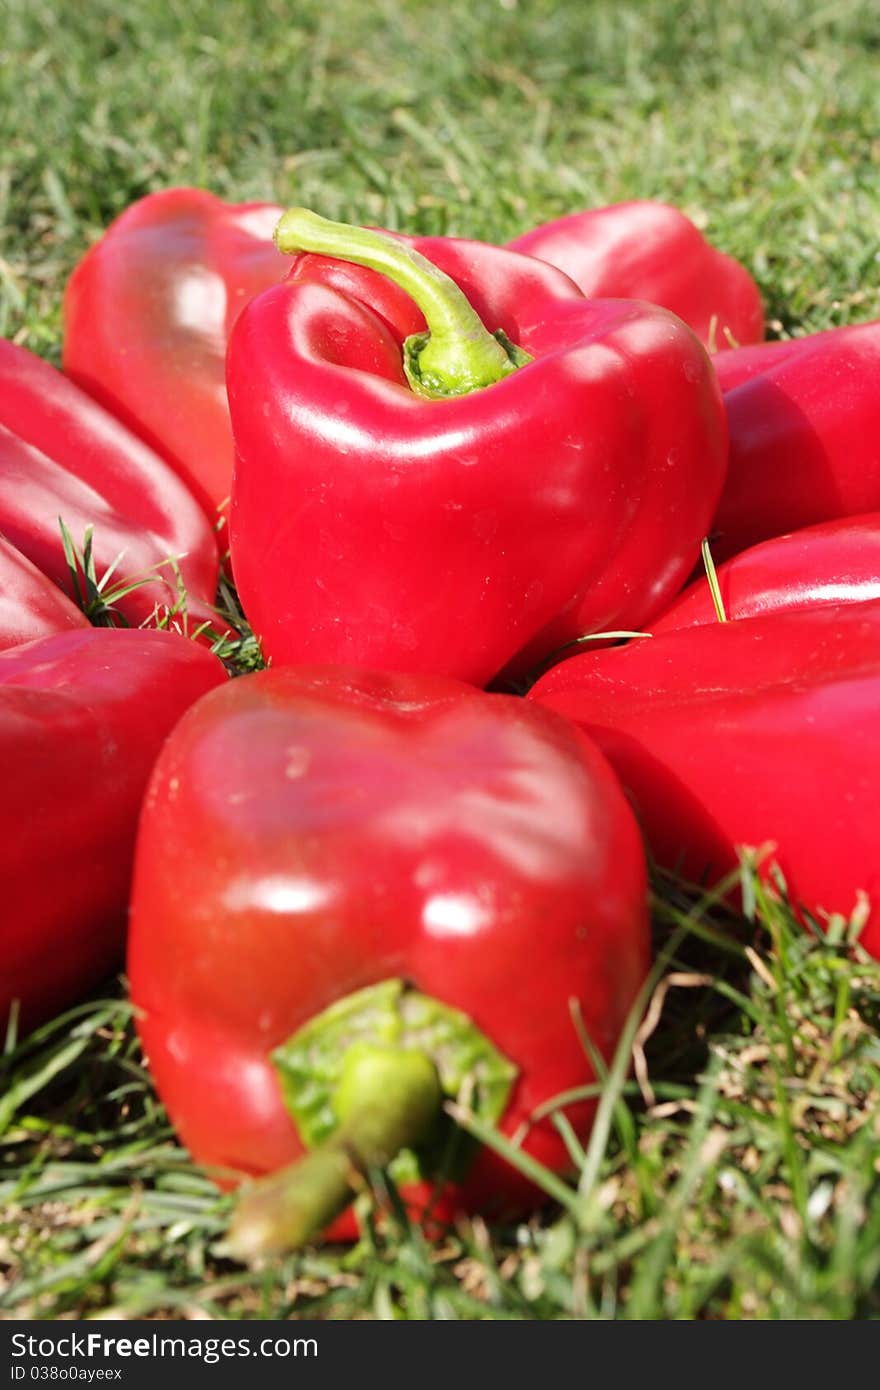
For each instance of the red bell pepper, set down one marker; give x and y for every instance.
(82, 718)
(333, 864)
(804, 420)
(646, 250)
(31, 605)
(148, 313)
(756, 733)
(63, 457)
(838, 562)
(524, 496)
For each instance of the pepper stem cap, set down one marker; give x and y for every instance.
(458, 354)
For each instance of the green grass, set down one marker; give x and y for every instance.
(738, 1175)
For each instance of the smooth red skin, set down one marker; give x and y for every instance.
(804, 422)
(31, 605)
(148, 312)
(62, 455)
(382, 805)
(838, 562)
(758, 733)
(372, 527)
(82, 717)
(647, 250)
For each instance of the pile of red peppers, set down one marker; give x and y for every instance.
(370, 889)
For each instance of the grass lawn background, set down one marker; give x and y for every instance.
(744, 1179)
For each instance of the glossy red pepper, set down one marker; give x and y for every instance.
(31, 605)
(804, 421)
(82, 718)
(63, 457)
(837, 562)
(558, 487)
(148, 312)
(758, 733)
(647, 250)
(312, 834)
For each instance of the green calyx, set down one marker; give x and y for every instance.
(312, 1064)
(365, 1082)
(457, 354)
(426, 364)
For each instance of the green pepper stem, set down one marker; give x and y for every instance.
(387, 1099)
(458, 354)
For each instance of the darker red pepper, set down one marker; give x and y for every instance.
(62, 457)
(837, 562)
(31, 605)
(82, 718)
(646, 250)
(537, 500)
(148, 312)
(804, 421)
(313, 834)
(763, 733)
